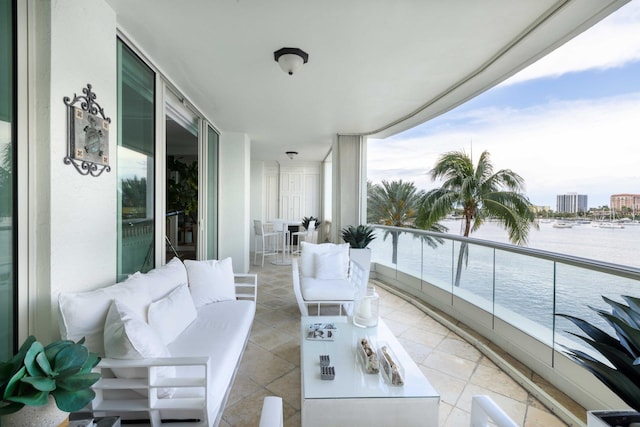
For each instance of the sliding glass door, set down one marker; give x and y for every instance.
(182, 135)
(136, 164)
(8, 220)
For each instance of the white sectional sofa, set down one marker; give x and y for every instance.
(172, 339)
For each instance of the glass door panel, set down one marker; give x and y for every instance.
(211, 219)
(136, 160)
(7, 184)
(182, 180)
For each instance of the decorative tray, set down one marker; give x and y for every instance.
(321, 331)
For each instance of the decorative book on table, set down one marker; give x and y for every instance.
(321, 331)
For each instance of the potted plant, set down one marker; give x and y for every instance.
(307, 220)
(622, 376)
(358, 239)
(37, 376)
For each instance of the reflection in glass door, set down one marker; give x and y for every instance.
(136, 158)
(182, 180)
(7, 184)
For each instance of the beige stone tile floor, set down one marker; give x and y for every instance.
(271, 362)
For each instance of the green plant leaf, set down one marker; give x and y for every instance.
(72, 401)
(595, 333)
(30, 359)
(36, 399)
(633, 302)
(622, 386)
(78, 381)
(14, 382)
(628, 335)
(44, 364)
(52, 349)
(623, 312)
(70, 359)
(92, 360)
(10, 408)
(40, 383)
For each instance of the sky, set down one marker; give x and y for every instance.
(568, 123)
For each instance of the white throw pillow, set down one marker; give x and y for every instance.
(211, 281)
(329, 266)
(83, 314)
(127, 336)
(172, 314)
(166, 278)
(307, 259)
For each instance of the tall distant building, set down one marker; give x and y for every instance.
(631, 201)
(571, 203)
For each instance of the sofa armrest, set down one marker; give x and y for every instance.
(271, 415)
(113, 395)
(246, 286)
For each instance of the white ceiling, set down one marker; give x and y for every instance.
(375, 67)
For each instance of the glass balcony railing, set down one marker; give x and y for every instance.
(522, 287)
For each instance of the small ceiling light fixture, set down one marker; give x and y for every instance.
(291, 154)
(290, 59)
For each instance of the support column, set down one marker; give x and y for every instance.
(349, 183)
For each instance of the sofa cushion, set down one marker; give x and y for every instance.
(326, 290)
(83, 314)
(170, 315)
(164, 279)
(329, 266)
(211, 281)
(307, 259)
(220, 331)
(128, 336)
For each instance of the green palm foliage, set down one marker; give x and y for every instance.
(396, 204)
(481, 193)
(622, 376)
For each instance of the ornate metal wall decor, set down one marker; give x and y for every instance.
(87, 134)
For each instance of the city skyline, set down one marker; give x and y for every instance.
(573, 116)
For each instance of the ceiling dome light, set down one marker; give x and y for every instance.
(290, 59)
(291, 154)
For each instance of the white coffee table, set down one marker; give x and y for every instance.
(355, 398)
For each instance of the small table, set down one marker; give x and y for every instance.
(355, 398)
(286, 226)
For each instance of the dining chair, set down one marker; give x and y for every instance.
(264, 238)
(281, 228)
(307, 235)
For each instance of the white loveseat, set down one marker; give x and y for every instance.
(172, 338)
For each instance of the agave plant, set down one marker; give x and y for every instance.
(307, 220)
(62, 369)
(622, 350)
(358, 237)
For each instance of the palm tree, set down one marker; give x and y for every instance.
(396, 204)
(481, 194)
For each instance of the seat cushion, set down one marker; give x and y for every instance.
(220, 332)
(326, 290)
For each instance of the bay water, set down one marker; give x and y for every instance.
(531, 289)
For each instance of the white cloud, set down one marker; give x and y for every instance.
(611, 43)
(588, 146)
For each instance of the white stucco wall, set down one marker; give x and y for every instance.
(74, 221)
(257, 198)
(235, 178)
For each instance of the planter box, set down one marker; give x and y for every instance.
(613, 419)
(363, 258)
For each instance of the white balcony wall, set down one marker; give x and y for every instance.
(72, 218)
(235, 198)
